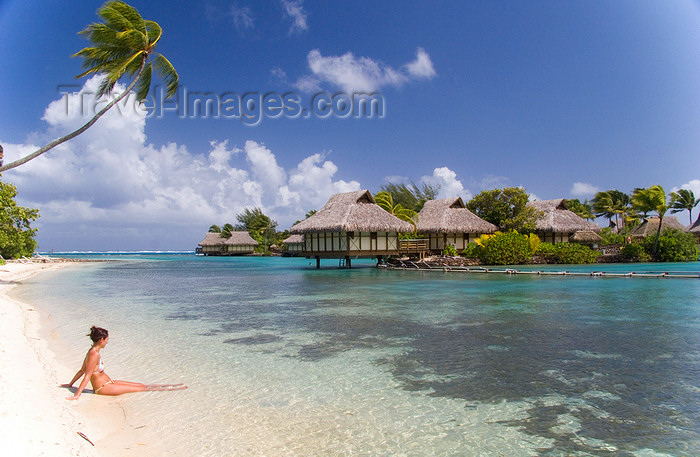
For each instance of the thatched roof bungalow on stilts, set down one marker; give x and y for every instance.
(212, 244)
(293, 245)
(448, 222)
(239, 243)
(351, 225)
(559, 225)
(650, 226)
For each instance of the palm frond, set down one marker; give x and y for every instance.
(154, 32)
(114, 18)
(167, 73)
(130, 14)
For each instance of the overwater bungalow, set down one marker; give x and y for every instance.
(293, 245)
(559, 224)
(448, 222)
(239, 243)
(212, 244)
(650, 226)
(351, 225)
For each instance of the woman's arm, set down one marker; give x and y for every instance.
(90, 366)
(75, 378)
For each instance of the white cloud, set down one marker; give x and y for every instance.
(243, 18)
(362, 75)
(450, 186)
(422, 67)
(693, 184)
(295, 10)
(109, 189)
(583, 189)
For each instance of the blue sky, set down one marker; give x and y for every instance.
(561, 98)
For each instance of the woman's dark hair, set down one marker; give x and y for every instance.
(97, 333)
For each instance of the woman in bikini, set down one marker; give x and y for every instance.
(102, 384)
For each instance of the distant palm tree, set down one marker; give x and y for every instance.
(683, 200)
(214, 229)
(609, 204)
(652, 199)
(226, 231)
(386, 201)
(123, 45)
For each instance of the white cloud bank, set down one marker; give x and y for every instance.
(109, 189)
(361, 75)
(583, 189)
(450, 186)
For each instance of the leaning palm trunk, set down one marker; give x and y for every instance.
(122, 46)
(71, 135)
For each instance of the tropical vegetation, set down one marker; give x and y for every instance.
(16, 234)
(507, 208)
(122, 45)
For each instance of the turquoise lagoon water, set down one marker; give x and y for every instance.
(284, 359)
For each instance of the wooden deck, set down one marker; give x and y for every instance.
(424, 266)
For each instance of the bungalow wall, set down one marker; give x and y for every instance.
(338, 244)
(438, 241)
(294, 247)
(240, 248)
(213, 249)
(554, 237)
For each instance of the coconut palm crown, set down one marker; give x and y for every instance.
(683, 200)
(123, 45)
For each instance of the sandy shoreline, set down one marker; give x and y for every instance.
(35, 417)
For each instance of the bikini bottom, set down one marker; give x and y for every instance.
(99, 388)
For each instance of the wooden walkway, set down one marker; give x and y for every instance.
(424, 266)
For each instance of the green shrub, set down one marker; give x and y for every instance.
(546, 250)
(571, 253)
(611, 237)
(635, 252)
(472, 251)
(506, 249)
(674, 246)
(450, 250)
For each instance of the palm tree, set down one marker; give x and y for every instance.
(609, 204)
(386, 201)
(226, 231)
(652, 199)
(683, 200)
(214, 229)
(123, 45)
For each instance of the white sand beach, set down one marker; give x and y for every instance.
(35, 417)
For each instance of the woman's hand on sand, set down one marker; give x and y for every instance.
(72, 397)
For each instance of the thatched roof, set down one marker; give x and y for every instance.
(695, 228)
(352, 212)
(293, 239)
(650, 226)
(212, 239)
(557, 218)
(586, 236)
(450, 215)
(241, 238)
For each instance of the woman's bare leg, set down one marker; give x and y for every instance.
(117, 387)
(120, 387)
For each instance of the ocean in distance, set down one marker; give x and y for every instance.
(284, 359)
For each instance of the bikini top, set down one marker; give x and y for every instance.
(100, 366)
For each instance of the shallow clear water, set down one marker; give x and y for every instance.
(283, 359)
